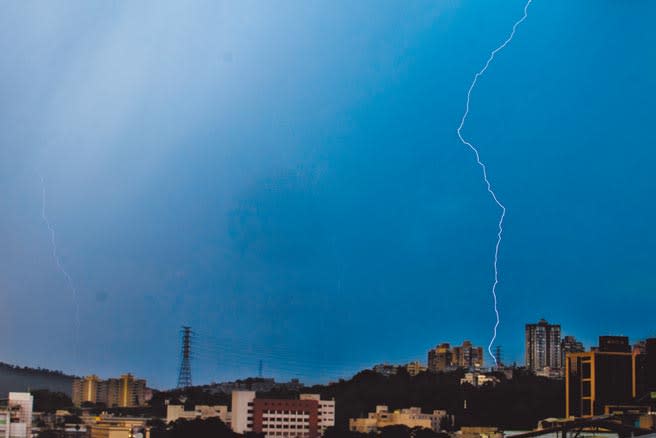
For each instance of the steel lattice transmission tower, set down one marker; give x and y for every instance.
(184, 376)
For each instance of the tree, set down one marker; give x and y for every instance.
(158, 428)
(72, 419)
(396, 431)
(422, 432)
(333, 432)
(210, 428)
(48, 401)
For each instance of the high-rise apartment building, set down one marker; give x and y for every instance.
(603, 376)
(124, 392)
(467, 356)
(440, 357)
(543, 349)
(85, 390)
(569, 344)
(444, 357)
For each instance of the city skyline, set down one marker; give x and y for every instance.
(454, 360)
(287, 180)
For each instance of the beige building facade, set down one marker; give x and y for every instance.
(203, 412)
(124, 392)
(383, 417)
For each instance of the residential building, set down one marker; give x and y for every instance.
(606, 375)
(258, 384)
(386, 369)
(85, 390)
(543, 346)
(440, 358)
(19, 411)
(203, 412)
(550, 373)
(414, 368)
(467, 356)
(479, 379)
(569, 344)
(444, 357)
(410, 417)
(124, 392)
(308, 416)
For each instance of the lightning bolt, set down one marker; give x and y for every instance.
(492, 193)
(60, 265)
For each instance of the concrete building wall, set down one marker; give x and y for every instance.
(326, 414)
(242, 410)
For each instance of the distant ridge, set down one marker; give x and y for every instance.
(15, 378)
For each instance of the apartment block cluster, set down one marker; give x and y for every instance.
(447, 358)
(123, 392)
(308, 416)
(412, 368)
(545, 350)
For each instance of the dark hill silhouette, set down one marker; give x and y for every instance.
(20, 379)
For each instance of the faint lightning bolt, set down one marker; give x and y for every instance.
(484, 170)
(60, 265)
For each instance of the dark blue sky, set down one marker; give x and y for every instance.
(287, 180)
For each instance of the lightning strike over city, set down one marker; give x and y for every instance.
(60, 266)
(327, 219)
(483, 167)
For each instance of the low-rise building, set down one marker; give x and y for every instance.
(18, 413)
(414, 368)
(309, 416)
(386, 369)
(410, 417)
(117, 427)
(551, 373)
(479, 432)
(479, 379)
(203, 412)
(326, 413)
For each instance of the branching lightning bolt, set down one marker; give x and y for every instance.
(58, 262)
(502, 216)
